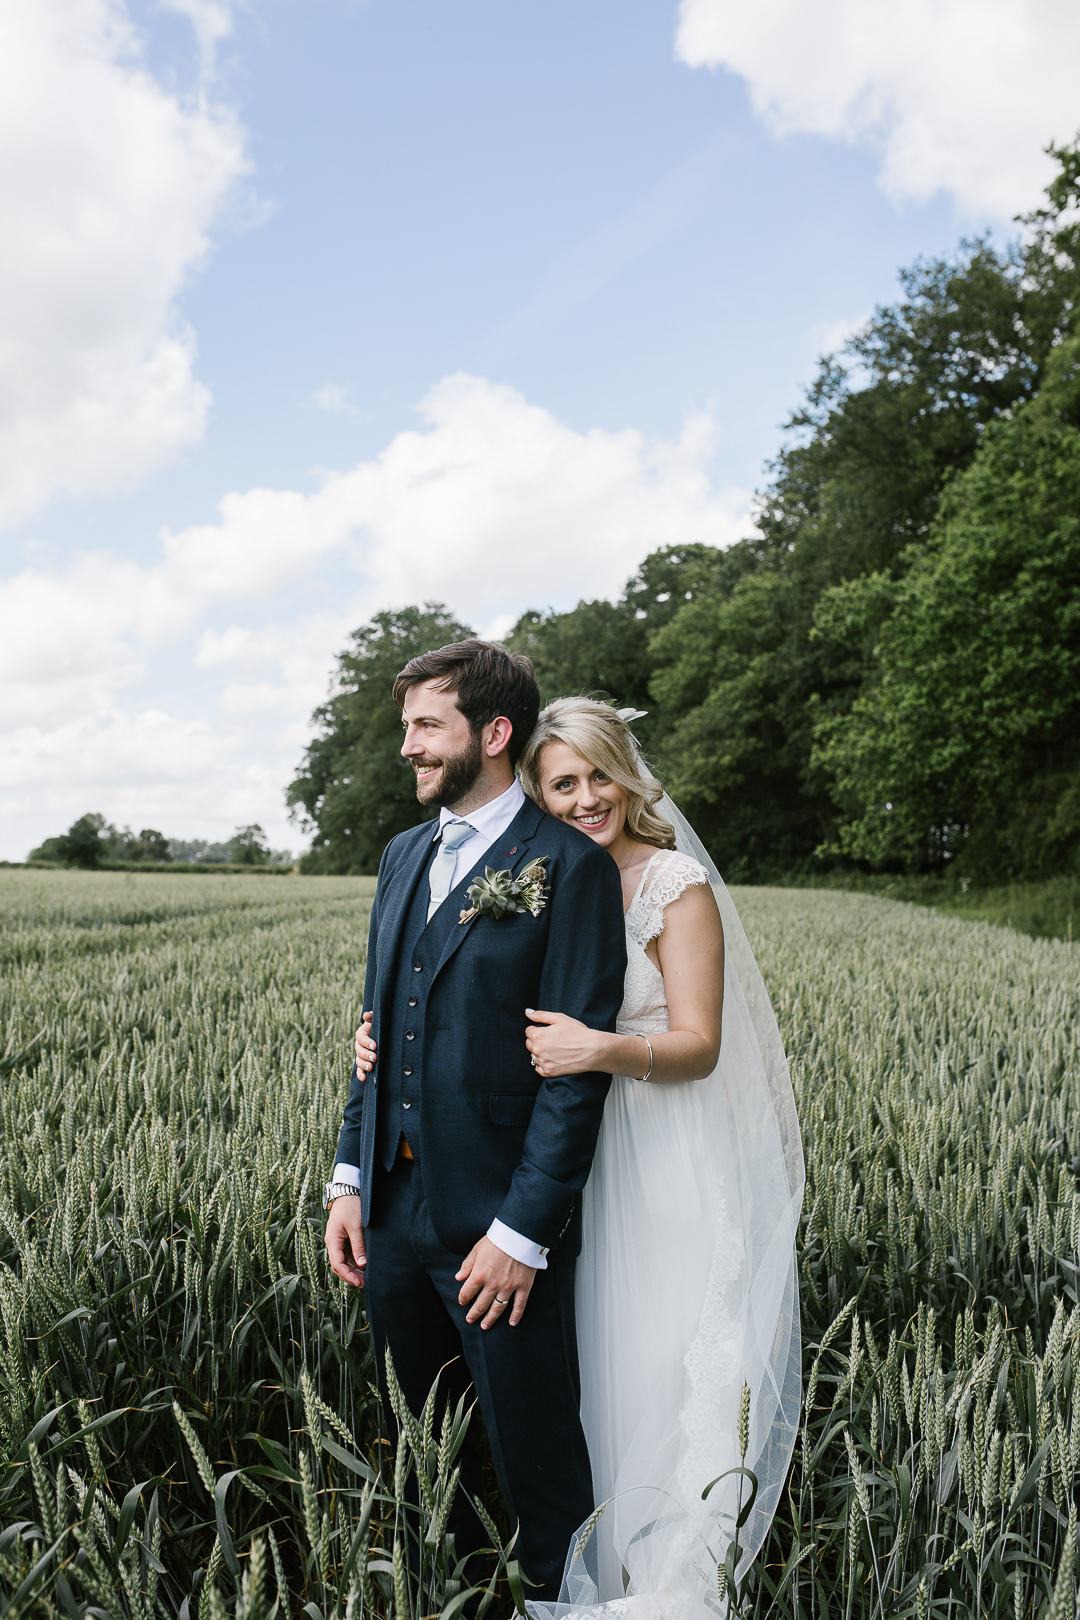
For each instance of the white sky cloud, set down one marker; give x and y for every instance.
(335, 399)
(960, 95)
(492, 505)
(109, 186)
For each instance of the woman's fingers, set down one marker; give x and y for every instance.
(365, 1047)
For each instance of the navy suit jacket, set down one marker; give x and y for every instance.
(495, 1139)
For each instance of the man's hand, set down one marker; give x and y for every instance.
(491, 1278)
(345, 1241)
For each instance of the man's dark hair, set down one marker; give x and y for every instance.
(487, 680)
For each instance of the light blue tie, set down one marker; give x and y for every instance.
(441, 874)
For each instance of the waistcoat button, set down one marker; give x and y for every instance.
(406, 1071)
(409, 1036)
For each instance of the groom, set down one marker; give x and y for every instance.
(457, 1189)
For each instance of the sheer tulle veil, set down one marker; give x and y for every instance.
(653, 1550)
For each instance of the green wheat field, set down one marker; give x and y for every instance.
(187, 1417)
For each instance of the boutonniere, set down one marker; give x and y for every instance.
(497, 893)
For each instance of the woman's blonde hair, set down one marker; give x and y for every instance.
(601, 736)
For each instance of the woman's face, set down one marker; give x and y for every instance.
(581, 793)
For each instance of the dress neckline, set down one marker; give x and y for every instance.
(641, 881)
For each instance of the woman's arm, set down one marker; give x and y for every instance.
(691, 956)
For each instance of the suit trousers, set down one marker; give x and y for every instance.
(525, 1378)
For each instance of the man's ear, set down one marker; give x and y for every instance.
(497, 736)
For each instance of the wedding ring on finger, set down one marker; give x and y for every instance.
(499, 1301)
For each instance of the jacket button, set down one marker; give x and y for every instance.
(406, 1071)
(417, 968)
(412, 1001)
(406, 1104)
(409, 1036)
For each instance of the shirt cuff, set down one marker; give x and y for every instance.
(510, 1242)
(348, 1174)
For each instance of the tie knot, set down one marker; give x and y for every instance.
(455, 833)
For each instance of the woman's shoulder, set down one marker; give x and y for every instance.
(669, 874)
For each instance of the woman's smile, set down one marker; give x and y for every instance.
(592, 821)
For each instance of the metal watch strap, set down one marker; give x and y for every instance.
(338, 1189)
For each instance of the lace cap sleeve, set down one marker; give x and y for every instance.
(669, 875)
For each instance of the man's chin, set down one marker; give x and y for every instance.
(427, 787)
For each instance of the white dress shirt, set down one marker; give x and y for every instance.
(489, 822)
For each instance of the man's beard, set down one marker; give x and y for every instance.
(460, 772)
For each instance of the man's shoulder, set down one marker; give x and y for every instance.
(403, 844)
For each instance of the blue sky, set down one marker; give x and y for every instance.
(480, 300)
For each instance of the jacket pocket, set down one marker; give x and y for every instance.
(511, 1107)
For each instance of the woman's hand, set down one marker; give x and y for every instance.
(561, 1045)
(366, 1050)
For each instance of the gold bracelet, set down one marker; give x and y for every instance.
(652, 1059)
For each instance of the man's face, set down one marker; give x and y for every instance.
(439, 746)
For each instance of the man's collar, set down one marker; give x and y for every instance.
(493, 816)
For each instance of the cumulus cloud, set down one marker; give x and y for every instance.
(961, 95)
(491, 505)
(109, 187)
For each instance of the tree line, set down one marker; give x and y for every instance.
(92, 842)
(887, 675)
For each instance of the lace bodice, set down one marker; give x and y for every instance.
(666, 876)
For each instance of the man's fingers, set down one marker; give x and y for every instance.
(346, 1251)
(517, 1310)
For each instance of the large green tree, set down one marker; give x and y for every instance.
(739, 673)
(964, 744)
(601, 649)
(353, 790)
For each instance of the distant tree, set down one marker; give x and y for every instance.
(353, 790)
(84, 843)
(149, 846)
(248, 846)
(47, 850)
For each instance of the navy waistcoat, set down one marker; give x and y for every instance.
(419, 951)
(403, 1034)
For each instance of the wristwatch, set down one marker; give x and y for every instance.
(338, 1189)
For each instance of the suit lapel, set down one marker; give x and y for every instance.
(396, 902)
(507, 853)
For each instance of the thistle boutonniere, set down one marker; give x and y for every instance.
(497, 893)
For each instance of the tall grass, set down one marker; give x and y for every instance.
(1046, 908)
(187, 1406)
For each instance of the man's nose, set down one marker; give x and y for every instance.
(412, 745)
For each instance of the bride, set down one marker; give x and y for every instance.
(687, 1301)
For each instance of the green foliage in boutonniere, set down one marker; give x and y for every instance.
(497, 893)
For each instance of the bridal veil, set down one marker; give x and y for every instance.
(728, 1179)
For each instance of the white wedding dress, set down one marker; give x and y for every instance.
(686, 1290)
